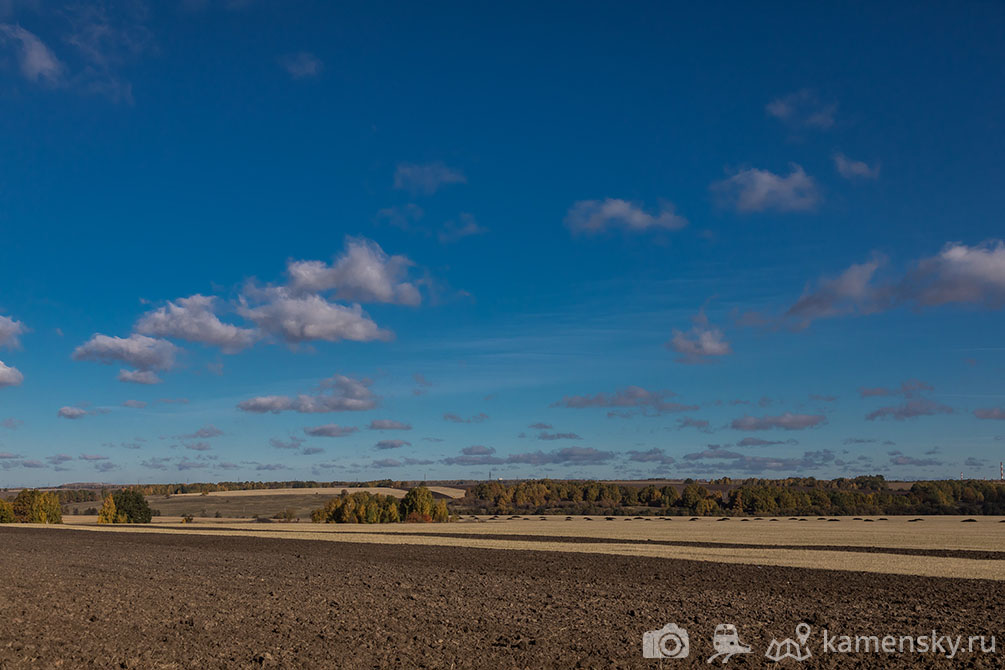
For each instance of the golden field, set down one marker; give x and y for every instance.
(769, 543)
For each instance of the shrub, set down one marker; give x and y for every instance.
(6, 512)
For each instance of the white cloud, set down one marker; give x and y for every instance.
(426, 179)
(311, 317)
(959, 273)
(10, 332)
(331, 430)
(10, 376)
(595, 216)
(72, 412)
(849, 292)
(362, 273)
(754, 190)
(140, 351)
(702, 341)
(302, 65)
(38, 63)
(786, 421)
(803, 109)
(194, 319)
(139, 377)
(850, 169)
(336, 394)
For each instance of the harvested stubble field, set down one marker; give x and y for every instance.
(562, 594)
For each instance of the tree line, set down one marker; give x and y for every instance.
(31, 506)
(796, 496)
(417, 506)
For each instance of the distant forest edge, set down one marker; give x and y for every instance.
(867, 495)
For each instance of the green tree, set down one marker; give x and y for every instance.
(6, 512)
(133, 505)
(417, 505)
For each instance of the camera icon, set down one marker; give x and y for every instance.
(667, 642)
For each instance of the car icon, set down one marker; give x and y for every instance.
(726, 642)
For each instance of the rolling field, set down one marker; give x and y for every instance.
(240, 595)
(934, 547)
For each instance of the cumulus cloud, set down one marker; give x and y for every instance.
(388, 424)
(194, 319)
(11, 332)
(10, 376)
(302, 65)
(649, 402)
(297, 319)
(330, 430)
(699, 343)
(426, 179)
(391, 444)
(476, 454)
(139, 351)
(786, 421)
(456, 418)
(37, 62)
(540, 426)
(72, 412)
(362, 273)
(688, 422)
(596, 216)
(958, 274)
(914, 407)
(335, 394)
(802, 109)
(996, 413)
(754, 190)
(147, 377)
(11, 423)
(198, 446)
(848, 293)
(851, 169)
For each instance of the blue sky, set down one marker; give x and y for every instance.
(255, 240)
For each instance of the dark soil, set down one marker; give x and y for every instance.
(78, 599)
